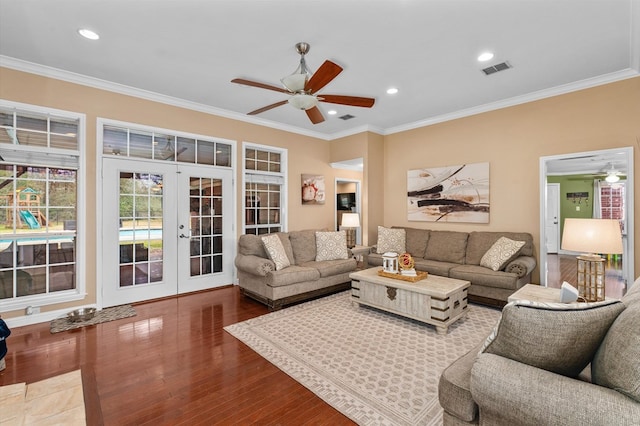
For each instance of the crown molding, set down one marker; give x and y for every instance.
(518, 100)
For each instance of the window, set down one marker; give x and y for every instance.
(126, 142)
(612, 201)
(39, 198)
(264, 189)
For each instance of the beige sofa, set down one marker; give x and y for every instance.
(535, 376)
(304, 279)
(457, 255)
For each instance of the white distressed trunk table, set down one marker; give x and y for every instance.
(436, 300)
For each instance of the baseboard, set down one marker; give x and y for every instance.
(41, 317)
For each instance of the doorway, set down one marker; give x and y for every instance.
(595, 164)
(348, 201)
(166, 229)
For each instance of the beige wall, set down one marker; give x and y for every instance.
(305, 154)
(512, 140)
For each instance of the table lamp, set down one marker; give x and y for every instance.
(350, 221)
(592, 236)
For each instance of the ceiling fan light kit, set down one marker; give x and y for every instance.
(303, 88)
(302, 101)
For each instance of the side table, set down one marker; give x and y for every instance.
(360, 253)
(536, 293)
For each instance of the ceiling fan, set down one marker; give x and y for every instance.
(303, 88)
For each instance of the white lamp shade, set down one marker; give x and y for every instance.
(351, 220)
(592, 236)
(295, 82)
(612, 178)
(303, 101)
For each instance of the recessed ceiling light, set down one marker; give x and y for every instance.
(485, 57)
(332, 112)
(86, 33)
(392, 91)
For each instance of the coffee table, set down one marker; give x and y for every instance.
(436, 300)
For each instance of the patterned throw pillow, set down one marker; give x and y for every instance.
(331, 245)
(557, 337)
(391, 240)
(275, 250)
(500, 252)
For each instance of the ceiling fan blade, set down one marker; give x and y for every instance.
(315, 115)
(259, 85)
(327, 72)
(347, 100)
(268, 107)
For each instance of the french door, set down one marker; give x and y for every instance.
(166, 229)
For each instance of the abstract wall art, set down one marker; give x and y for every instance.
(449, 194)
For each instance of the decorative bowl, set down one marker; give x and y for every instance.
(82, 314)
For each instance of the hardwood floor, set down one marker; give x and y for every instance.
(563, 267)
(171, 364)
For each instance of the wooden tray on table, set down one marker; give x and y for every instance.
(420, 275)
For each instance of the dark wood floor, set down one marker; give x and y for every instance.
(563, 267)
(171, 364)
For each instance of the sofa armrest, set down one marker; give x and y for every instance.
(510, 392)
(521, 266)
(254, 265)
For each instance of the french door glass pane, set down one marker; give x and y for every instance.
(140, 233)
(205, 208)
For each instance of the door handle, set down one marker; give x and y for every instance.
(184, 236)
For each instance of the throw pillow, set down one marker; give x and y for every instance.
(616, 365)
(391, 240)
(331, 245)
(500, 253)
(557, 337)
(275, 250)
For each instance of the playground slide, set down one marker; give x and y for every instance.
(28, 217)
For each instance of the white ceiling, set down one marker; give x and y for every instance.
(188, 51)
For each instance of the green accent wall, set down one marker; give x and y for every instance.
(571, 184)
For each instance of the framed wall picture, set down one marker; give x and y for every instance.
(312, 189)
(449, 194)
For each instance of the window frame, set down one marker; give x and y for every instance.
(37, 156)
(280, 178)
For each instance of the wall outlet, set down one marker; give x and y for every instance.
(577, 208)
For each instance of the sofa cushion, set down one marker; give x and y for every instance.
(479, 275)
(304, 245)
(447, 246)
(331, 245)
(391, 240)
(454, 387)
(561, 338)
(251, 245)
(616, 364)
(434, 267)
(330, 268)
(480, 242)
(274, 248)
(416, 241)
(292, 275)
(500, 253)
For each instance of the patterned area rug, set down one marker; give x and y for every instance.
(374, 367)
(105, 315)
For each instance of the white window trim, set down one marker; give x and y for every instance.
(283, 173)
(80, 292)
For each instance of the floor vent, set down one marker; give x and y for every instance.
(495, 68)
(347, 117)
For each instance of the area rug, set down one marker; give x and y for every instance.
(108, 314)
(374, 367)
(58, 400)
